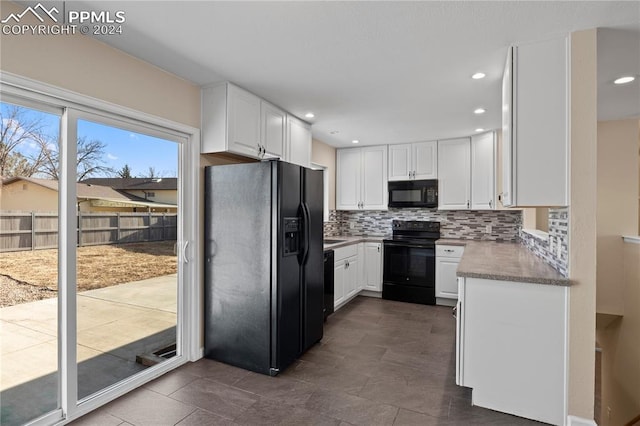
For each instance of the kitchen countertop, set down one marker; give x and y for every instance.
(352, 240)
(505, 262)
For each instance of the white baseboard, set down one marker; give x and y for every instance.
(579, 421)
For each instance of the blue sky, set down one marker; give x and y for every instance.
(137, 150)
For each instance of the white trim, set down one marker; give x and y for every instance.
(325, 189)
(67, 264)
(47, 94)
(632, 239)
(580, 421)
(537, 234)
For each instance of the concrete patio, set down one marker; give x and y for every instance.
(114, 325)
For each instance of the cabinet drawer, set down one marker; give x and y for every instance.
(344, 252)
(449, 251)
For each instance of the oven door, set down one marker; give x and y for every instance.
(409, 264)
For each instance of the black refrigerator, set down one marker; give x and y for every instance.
(264, 284)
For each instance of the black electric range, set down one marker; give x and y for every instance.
(410, 262)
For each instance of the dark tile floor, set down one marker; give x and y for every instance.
(380, 363)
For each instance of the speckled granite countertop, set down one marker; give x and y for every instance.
(351, 240)
(504, 262)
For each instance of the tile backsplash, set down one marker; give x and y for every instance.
(462, 224)
(554, 250)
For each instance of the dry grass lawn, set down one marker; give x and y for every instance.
(98, 266)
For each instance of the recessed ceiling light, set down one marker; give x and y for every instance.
(624, 80)
(478, 76)
(334, 132)
(479, 129)
(479, 111)
(309, 115)
(355, 141)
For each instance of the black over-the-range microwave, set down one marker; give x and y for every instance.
(413, 193)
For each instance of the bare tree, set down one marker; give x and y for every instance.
(90, 160)
(124, 172)
(18, 129)
(151, 173)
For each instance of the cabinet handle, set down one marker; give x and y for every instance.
(490, 204)
(468, 204)
(448, 250)
(378, 248)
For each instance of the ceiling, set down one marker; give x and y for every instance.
(379, 72)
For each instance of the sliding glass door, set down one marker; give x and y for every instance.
(126, 259)
(93, 239)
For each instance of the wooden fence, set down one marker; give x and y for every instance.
(35, 231)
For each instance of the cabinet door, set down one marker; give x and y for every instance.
(348, 176)
(299, 142)
(446, 279)
(273, 129)
(454, 174)
(338, 282)
(374, 178)
(243, 122)
(483, 172)
(351, 277)
(540, 131)
(400, 162)
(425, 160)
(362, 262)
(373, 266)
(507, 123)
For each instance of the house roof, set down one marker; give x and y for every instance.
(135, 183)
(85, 191)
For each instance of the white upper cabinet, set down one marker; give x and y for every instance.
(298, 142)
(236, 121)
(400, 164)
(454, 177)
(535, 124)
(230, 121)
(361, 176)
(425, 159)
(374, 178)
(413, 161)
(348, 177)
(273, 129)
(483, 187)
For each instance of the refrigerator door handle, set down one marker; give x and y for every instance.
(307, 232)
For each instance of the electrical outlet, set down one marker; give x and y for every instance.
(488, 229)
(352, 225)
(609, 413)
(558, 248)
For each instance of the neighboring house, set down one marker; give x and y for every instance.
(41, 195)
(160, 190)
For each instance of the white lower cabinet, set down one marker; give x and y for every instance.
(512, 346)
(357, 267)
(372, 266)
(447, 260)
(346, 276)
